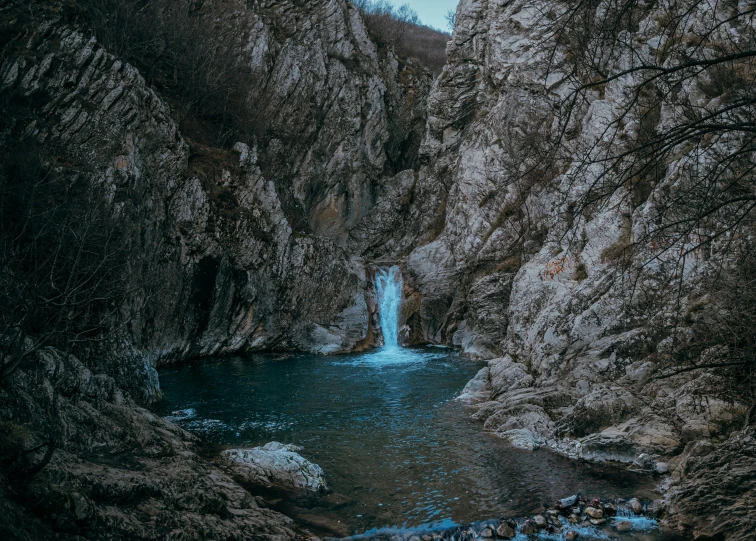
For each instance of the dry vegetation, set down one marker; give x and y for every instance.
(400, 28)
(190, 52)
(698, 163)
(61, 259)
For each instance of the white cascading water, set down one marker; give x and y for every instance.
(388, 286)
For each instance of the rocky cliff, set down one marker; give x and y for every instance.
(529, 240)
(231, 244)
(229, 249)
(540, 217)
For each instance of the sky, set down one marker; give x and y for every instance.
(431, 12)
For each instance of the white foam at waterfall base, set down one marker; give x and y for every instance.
(388, 287)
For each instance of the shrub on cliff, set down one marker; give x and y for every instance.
(678, 145)
(61, 259)
(192, 52)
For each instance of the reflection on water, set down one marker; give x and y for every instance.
(395, 447)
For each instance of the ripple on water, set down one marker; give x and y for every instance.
(396, 447)
(385, 358)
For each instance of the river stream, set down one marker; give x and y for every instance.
(396, 447)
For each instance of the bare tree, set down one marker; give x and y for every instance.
(682, 135)
(705, 75)
(61, 260)
(193, 52)
(400, 28)
(451, 19)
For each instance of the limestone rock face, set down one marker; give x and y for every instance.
(478, 388)
(344, 113)
(269, 245)
(243, 246)
(117, 471)
(573, 332)
(715, 477)
(276, 464)
(500, 272)
(228, 249)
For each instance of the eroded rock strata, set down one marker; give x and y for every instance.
(269, 243)
(229, 249)
(580, 333)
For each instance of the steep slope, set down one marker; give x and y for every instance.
(506, 267)
(116, 471)
(220, 257)
(567, 216)
(218, 250)
(572, 222)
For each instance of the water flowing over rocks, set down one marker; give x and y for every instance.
(269, 245)
(570, 518)
(388, 288)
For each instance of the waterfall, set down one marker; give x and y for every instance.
(388, 286)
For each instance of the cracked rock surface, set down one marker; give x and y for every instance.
(276, 464)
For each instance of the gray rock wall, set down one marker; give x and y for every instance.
(505, 275)
(228, 250)
(239, 249)
(574, 337)
(269, 245)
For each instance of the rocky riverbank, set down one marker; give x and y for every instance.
(605, 275)
(115, 471)
(571, 518)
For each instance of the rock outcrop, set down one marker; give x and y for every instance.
(710, 476)
(228, 250)
(582, 315)
(505, 271)
(117, 470)
(235, 242)
(276, 464)
(269, 245)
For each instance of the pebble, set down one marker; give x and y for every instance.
(574, 519)
(426, 537)
(572, 534)
(610, 509)
(487, 533)
(636, 506)
(505, 531)
(594, 512)
(662, 468)
(540, 521)
(528, 528)
(598, 521)
(567, 502)
(624, 526)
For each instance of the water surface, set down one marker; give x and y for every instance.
(397, 449)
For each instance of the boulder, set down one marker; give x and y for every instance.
(276, 464)
(505, 530)
(594, 512)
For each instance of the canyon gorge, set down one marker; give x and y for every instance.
(569, 204)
